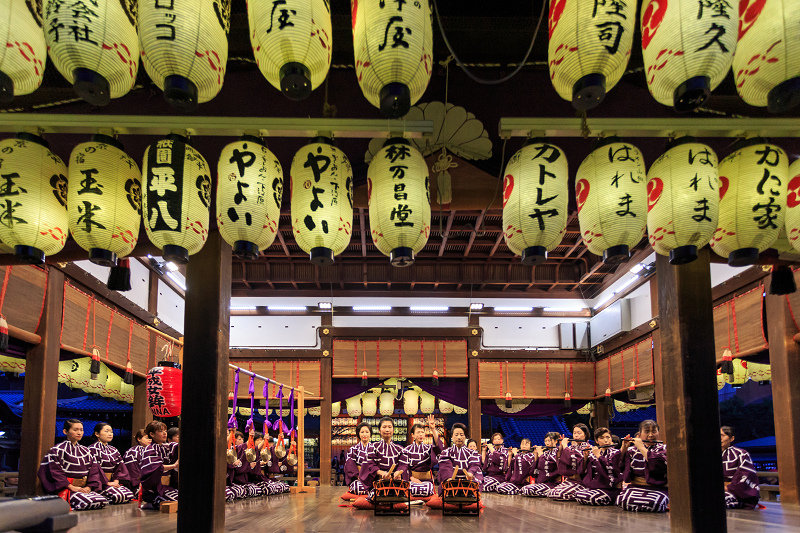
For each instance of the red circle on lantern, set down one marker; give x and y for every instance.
(654, 189)
(793, 197)
(749, 11)
(508, 187)
(723, 186)
(652, 19)
(581, 193)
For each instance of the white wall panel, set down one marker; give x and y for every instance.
(140, 280)
(170, 307)
(522, 332)
(400, 321)
(274, 331)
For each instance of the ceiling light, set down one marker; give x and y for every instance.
(475, 307)
(626, 284)
(638, 267)
(325, 305)
(177, 280)
(418, 309)
(603, 300)
(513, 309)
(171, 266)
(286, 307)
(372, 308)
(575, 309)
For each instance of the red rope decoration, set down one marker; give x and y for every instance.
(400, 357)
(622, 358)
(355, 359)
(298, 375)
(422, 357)
(377, 358)
(86, 327)
(609, 372)
(636, 355)
(735, 327)
(508, 381)
(444, 358)
(791, 313)
(6, 277)
(547, 377)
(501, 377)
(571, 389)
(44, 298)
(523, 380)
(761, 317)
(108, 337)
(130, 337)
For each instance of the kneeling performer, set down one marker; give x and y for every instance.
(417, 459)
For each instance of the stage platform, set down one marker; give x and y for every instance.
(319, 512)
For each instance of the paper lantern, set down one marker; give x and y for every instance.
(113, 386)
(33, 198)
(315, 411)
(460, 410)
(767, 61)
(322, 200)
(369, 404)
(12, 364)
(682, 200)
(164, 389)
(249, 194)
(688, 47)
(752, 206)
(353, 406)
(427, 403)
(739, 373)
(622, 407)
(24, 55)
(79, 375)
(793, 205)
(590, 44)
(176, 197)
(386, 400)
(586, 409)
(105, 200)
(720, 379)
(535, 201)
(759, 372)
(611, 192)
(445, 407)
(292, 42)
(94, 46)
(126, 392)
(393, 45)
(410, 402)
(185, 48)
(336, 409)
(399, 201)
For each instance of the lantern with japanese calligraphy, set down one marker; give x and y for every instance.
(688, 48)
(185, 48)
(23, 57)
(369, 404)
(793, 206)
(393, 44)
(399, 201)
(682, 200)
(535, 201)
(767, 62)
(590, 44)
(176, 197)
(94, 45)
(249, 194)
(33, 198)
(164, 389)
(611, 191)
(353, 406)
(386, 403)
(105, 201)
(292, 42)
(410, 402)
(753, 201)
(322, 200)
(79, 376)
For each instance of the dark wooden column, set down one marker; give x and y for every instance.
(474, 407)
(41, 387)
(784, 358)
(326, 384)
(657, 355)
(141, 415)
(600, 414)
(205, 387)
(688, 369)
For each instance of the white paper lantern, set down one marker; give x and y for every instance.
(410, 402)
(611, 192)
(249, 195)
(427, 403)
(336, 409)
(399, 201)
(752, 206)
(682, 200)
(113, 386)
(759, 371)
(292, 42)
(24, 55)
(105, 200)
(460, 410)
(33, 198)
(369, 404)
(688, 47)
(315, 411)
(386, 403)
(176, 197)
(94, 45)
(185, 48)
(353, 406)
(445, 407)
(322, 200)
(767, 61)
(590, 44)
(535, 201)
(126, 392)
(793, 205)
(393, 45)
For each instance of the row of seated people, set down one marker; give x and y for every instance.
(251, 465)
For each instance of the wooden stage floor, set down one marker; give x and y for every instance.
(319, 513)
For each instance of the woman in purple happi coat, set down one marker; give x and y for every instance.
(458, 456)
(258, 473)
(417, 460)
(602, 473)
(132, 460)
(495, 461)
(158, 459)
(523, 464)
(355, 458)
(111, 464)
(741, 481)
(381, 458)
(571, 456)
(545, 472)
(238, 471)
(70, 466)
(644, 466)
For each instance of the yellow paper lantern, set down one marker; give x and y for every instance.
(5, 249)
(185, 48)
(113, 386)
(688, 48)
(793, 205)
(682, 200)
(322, 200)
(105, 200)
(590, 44)
(80, 375)
(353, 406)
(767, 62)
(460, 410)
(752, 206)
(33, 198)
(65, 372)
(739, 373)
(386, 400)
(535, 201)
(399, 201)
(369, 404)
(410, 402)
(176, 197)
(427, 403)
(10, 364)
(759, 372)
(622, 407)
(292, 42)
(445, 407)
(126, 392)
(720, 379)
(611, 192)
(336, 408)
(393, 45)
(23, 57)
(249, 194)
(94, 45)
(586, 409)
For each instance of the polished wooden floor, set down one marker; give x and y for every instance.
(319, 512)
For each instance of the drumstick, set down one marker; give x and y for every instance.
(455, 473)
(392, 469)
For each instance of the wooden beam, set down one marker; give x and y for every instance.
(205, 386)
(363, 226)
(326, 385)
(474, 407)
(742, 282)
(657, 363)
(41, 387)
(446, 232)
(474, 233)
(688, 370)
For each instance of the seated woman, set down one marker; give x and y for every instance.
(173, 435)
(132, 458)
(494, 459)
(417, 459)
(571, 455)
(644, 466)
(522, 467)
(355, 458)
(458, 456)
(546, 470)
(70, 470)
(258, 474)
(158, 459)
(238, 470)
(111, 464)
(472, 444)
(741, 481)
(382, 457)
(602, 477)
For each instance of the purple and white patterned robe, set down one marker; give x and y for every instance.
(268, 486)
(648, 475)
(382, 455)
(545, 473)
(495, 467)
(419, 458)
(521, 468)
(111, 462)
(601, 479)
(570, 468)
(238, 475)
(356, 457)
(67, 461)
(151, 466)
(741, 491)
(464, 459)
(132, 459)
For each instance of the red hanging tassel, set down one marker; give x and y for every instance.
(94, 368)
(435, 379)
(567, 400)
(632, 391)
(364, 380)
(727, 362)
(608, 400)
(119, 277)
(127, 377)
(3, 334)
(508, 400)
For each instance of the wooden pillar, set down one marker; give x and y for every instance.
(41, 387)
(325, 415)
(141, 412)
(474, 407)
(688, 370)
(657, 356)
(205, 388)
(601, 414)
(784, 358)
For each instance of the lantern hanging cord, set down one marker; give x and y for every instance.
(496, 187)
(466, 70)
(258, 376)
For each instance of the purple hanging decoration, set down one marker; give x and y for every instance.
(252, 391)
(291, 413)
(278, 425)
(232, 420)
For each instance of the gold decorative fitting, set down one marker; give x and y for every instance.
(156, 321)
(474, 353)
(326, 353)
(652, 323)
(325, 332)
(474, 331)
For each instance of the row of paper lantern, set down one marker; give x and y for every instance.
(245, 411)
(744, 371)
(620, 407)
(369, 404)
(76, 374)
(685, 201)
